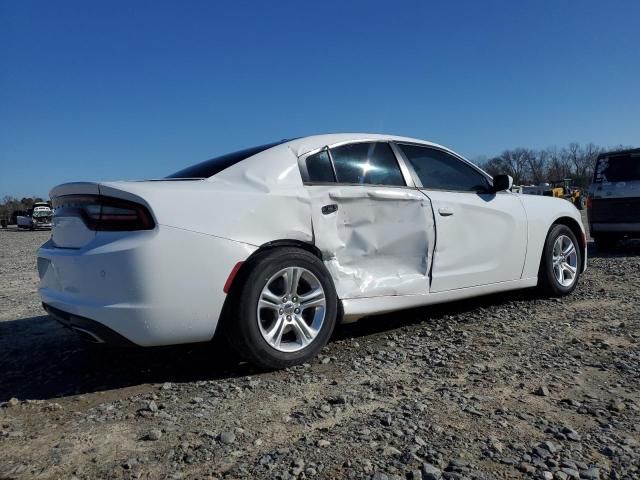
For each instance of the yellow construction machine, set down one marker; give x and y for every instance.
(565, 189)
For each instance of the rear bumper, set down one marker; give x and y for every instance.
(152, 288)
(90, 330)
(36, 226)
(628, 227)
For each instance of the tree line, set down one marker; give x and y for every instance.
(532, 167)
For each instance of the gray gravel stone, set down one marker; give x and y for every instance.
(571, 473)
(227, 437)
(542, 391)
(430, 472)
(590, 474)
(153, 435)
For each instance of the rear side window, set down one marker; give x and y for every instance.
(442, 171)
(367, 163)
(209, 168)
(319, 168)
(617, 168)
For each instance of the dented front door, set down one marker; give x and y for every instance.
(375, 240)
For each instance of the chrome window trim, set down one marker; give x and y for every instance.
(405, 166)
(333, 167)
(304, 172)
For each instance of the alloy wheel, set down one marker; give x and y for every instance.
(565, 260)
(291, 309)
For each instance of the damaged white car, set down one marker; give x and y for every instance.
(275, 244)
(37, 217)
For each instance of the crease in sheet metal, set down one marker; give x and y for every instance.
(378, 242)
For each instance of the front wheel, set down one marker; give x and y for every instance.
(285, 310)
(561, 260)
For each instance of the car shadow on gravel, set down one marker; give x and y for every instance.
(40, 360)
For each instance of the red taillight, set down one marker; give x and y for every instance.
(104, 213)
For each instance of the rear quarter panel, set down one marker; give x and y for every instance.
(256, 201)
(157, 287)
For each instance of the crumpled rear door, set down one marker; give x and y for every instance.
(375, 241)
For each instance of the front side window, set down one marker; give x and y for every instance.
(441, 171)
(367, 164)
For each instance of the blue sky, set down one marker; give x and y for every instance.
(139, 89)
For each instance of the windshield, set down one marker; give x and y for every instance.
(620, 168)
(209, 168)
(41, 213)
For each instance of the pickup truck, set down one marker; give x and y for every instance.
(614, 198)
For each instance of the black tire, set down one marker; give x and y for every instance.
(605, 242)
(242, 324)
(547, 280)
(580, 203)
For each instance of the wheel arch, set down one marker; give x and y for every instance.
(310, 247)
(244, 270)
(247, 264)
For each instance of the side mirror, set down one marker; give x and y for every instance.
(502, 182)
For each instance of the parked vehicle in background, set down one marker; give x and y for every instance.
(614, 198)
(37, 217)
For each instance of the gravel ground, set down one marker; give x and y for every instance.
(505, 386)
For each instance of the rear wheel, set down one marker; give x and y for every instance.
(561, 260)
(285, 310)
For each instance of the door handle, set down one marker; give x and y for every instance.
(327, 209)
(445, 211)
(395, 195)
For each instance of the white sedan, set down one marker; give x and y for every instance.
(274, 244)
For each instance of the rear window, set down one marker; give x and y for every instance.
(617, 168)
(209, 168)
